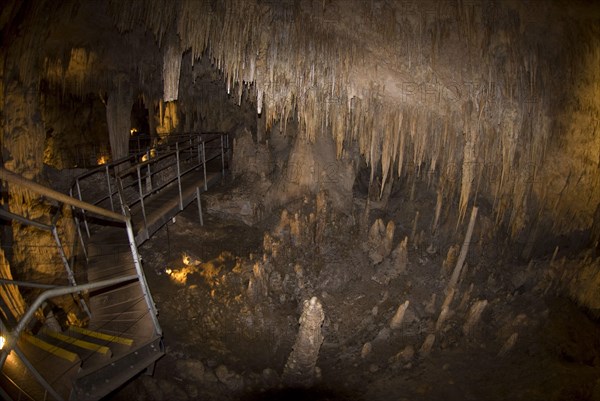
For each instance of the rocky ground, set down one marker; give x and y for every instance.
(230, 294)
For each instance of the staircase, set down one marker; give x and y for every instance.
(121, 337)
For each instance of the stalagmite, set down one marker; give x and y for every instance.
(508, 345)
(366, 350)
(299, 371)
(396, 321)
(445, 311)
(463, 251)
(474, 316)
(427, 345)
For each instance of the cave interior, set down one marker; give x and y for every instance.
(404, 198)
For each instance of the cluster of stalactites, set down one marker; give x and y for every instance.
(419, 93)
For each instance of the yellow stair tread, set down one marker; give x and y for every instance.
(53, 349)
(102, 336)
(77, 342)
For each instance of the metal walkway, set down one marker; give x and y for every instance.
(158, 183)
(121, 336)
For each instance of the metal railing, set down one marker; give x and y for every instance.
(133, 179)
(51, 291)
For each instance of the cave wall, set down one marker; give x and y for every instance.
(76, 131)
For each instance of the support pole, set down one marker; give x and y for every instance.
(199, 206)
(139, 175)
(70, 275)
(142, 277)
(85, 223)
(222, 157)
(179, 176)
(204, 164)
(112, 206)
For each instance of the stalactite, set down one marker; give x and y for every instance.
(345, 79)
(118, 117)
(171, 70)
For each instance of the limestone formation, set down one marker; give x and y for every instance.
(299, 371)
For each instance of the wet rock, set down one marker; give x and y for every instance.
(393, 267)
(366, 350)
(171, 391)
(192, 391)
(383, 335)
(210, 377)
(407, 354)
(270, 378)
(190, 369)
(379, 243)
(232, 380)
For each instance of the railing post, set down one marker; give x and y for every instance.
(70, 275)
(85, 223)
(179, 176)
(140, 274)
(199, 206)
(222, 157)
(112, 206)
(149, 179)
(78, 229)
(139, 175)
(204, 164)
(199, 149)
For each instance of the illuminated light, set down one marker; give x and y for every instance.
(180, 275)
(133, 131)
(168, 270)
(2, 341)
(102, 160)
(152, 154)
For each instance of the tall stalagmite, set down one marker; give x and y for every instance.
(300, 368)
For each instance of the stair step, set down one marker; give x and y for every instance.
(51, 348)
(102, 336)
(101, 349)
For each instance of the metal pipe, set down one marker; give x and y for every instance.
(112, 206)
(11, 216)
(78, 229)
(141, 277)
(199, 206)
(70, 275)
(85, 223)
(26, 284)
(204, 164)
(179, 176)
(142, 199)
(55, 292)
(5, 395)
(33, 186)
(222, 158)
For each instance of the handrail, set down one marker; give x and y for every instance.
(17, 179)
(51, 293)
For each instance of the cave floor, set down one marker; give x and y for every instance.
(225, 342)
